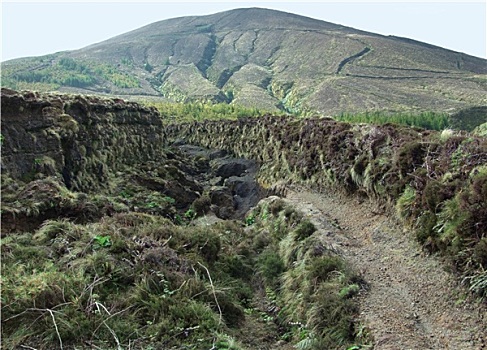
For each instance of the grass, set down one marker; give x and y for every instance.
(404, 205)
(426, 120)
(113, 293)
(312, 285)
(173, 112)
(139, 278)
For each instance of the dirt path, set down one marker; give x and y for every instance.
(411, 302)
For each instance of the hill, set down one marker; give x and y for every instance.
(266, 59)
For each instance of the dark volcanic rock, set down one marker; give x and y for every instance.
(231, 182)
(228, 167)
(222, 203)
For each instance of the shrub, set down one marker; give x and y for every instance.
(304, 230)
(324, 268)
(271, 266)
(405, 203)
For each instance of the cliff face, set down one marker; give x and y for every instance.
(80, 138)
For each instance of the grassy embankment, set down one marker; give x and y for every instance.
(143, 281)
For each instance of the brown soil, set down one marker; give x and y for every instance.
(411, 301)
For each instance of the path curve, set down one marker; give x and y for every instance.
(411, 301)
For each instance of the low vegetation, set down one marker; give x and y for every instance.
(426, 120)
(118, 277)
(311, 286)
(52, 73)
(173, 112)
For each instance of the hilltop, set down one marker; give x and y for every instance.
(266, 59)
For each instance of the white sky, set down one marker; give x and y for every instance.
(37, 28)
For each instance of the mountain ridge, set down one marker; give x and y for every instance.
(266, 59)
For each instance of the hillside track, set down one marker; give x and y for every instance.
(411, 301)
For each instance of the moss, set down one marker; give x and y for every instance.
(425, 232)
(434, 194)
(480, 252)
(271, 266)
(409, 157)
(473, 202)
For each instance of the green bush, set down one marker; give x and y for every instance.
(304, 230)
(426, 120)
(271, 266)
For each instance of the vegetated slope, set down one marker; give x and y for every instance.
(266, 59)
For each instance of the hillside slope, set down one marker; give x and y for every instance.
(266, 59)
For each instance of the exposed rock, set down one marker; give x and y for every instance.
(228, 167)
(232, 182)
(246, 192)
(222, 202)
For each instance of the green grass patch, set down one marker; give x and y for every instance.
(313, 286)
(197, 111)
(51, 73)
(426, 120)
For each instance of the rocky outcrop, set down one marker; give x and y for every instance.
(229, 182)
